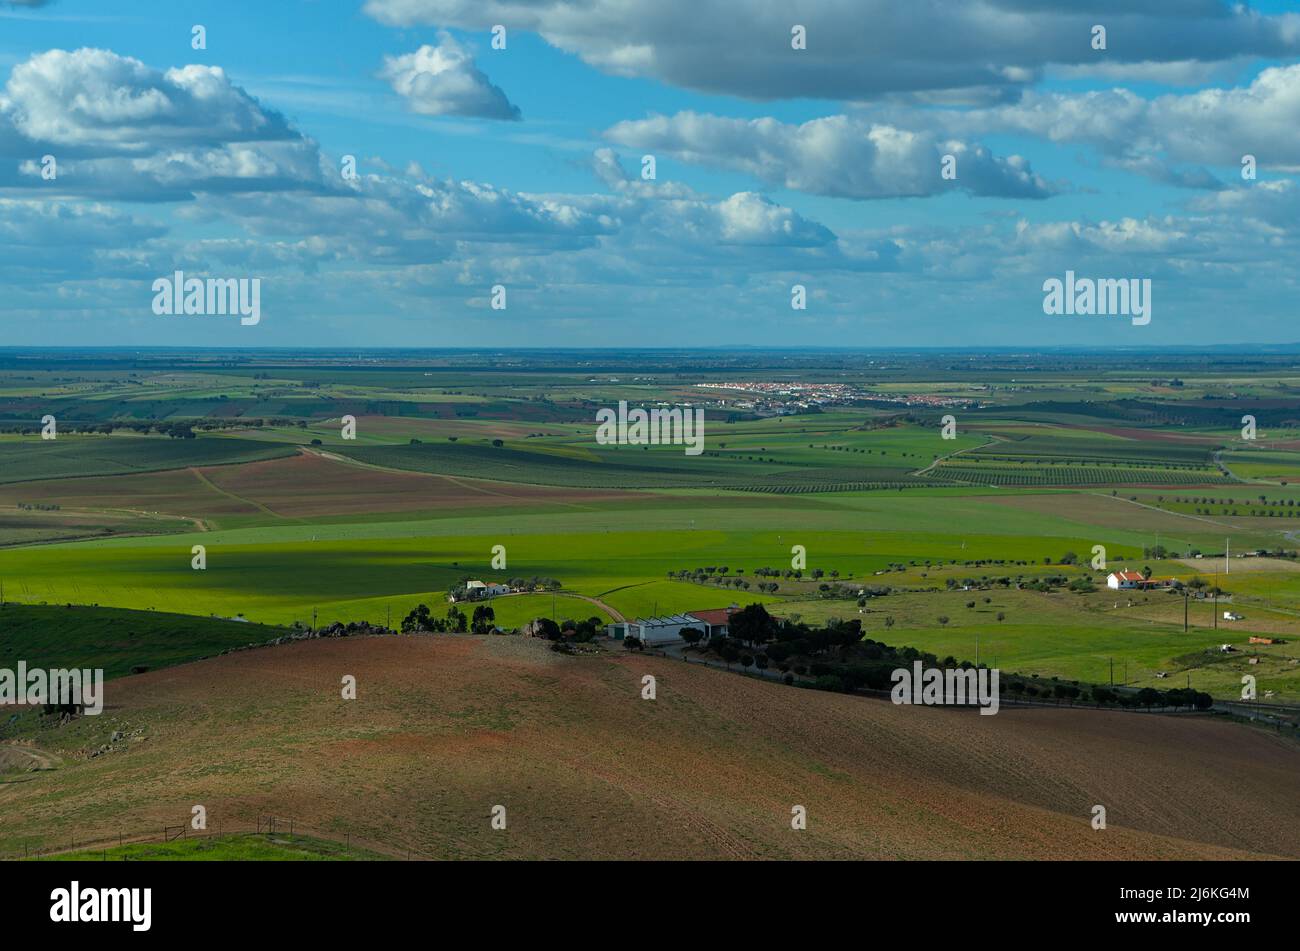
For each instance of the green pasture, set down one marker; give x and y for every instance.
(1072, 636)
(1263, 465)
(115, 640)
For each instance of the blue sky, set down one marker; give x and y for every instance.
(520, 167)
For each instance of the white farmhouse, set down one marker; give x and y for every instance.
(476, 589)
(1124, 579)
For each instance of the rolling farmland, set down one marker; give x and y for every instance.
(979, 547)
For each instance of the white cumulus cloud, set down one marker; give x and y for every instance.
(442, 80)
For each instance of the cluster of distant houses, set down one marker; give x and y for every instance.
(477, 591)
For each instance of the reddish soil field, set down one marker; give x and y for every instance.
(444, 728)
(1148, 435)
(311, 484)
(300, 486)
(175, 492)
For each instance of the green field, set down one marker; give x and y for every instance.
(1078, 637)
(116, 640)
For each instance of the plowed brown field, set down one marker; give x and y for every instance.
(444, 728)
(310, 484)
(301, 486)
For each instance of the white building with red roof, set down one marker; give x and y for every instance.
(1124, 579)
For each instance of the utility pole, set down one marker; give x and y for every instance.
(1112, 671)
(1185, 610)
(1227, 551)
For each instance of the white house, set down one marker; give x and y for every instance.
(667, 630)
(1124, 579)
(663, 630)
(475, 590)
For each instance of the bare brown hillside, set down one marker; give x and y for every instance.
(444, 728)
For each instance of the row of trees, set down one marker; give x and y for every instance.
(1147, 697)
(174, 429)
(535, 583)
(421, 621)
(568, 630)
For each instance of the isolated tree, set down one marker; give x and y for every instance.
(417, 622)
(484, 619)
(692, 635)
(943, 619)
